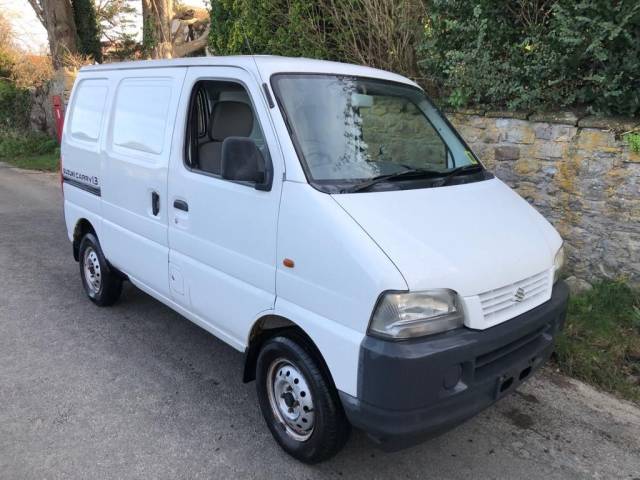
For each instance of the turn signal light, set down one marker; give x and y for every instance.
(287, 262)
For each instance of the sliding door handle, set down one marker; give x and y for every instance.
(181, 205)
(155, 203)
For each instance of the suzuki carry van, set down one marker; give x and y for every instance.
(327, 221)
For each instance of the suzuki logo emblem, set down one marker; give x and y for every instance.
(519, 295)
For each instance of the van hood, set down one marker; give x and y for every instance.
(471, 238)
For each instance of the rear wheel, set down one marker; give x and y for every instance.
(300, 405)
(101, 283)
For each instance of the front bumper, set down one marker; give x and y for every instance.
(412, 390)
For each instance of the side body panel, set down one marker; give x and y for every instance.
(338, 274)
(135, 159)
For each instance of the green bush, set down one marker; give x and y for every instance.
(32, 150)
(527, 55)
(282, 27)
(633, 140)
(326, 29)
(535, 55)
(600, 343)
(17, 144)
(15, 106)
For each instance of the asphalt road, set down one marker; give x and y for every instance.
(137, 391)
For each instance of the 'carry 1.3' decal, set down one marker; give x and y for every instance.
(89, 183)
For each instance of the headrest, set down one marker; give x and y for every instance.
(234, 96)
(230, 119)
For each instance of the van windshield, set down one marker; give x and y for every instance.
(356, 134)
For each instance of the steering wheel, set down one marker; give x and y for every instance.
(315, 155)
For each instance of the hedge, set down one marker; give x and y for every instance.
(527, 55)
(534, 55)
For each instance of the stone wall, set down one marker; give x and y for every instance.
(396, 129)
(41, 115)
(578, 173)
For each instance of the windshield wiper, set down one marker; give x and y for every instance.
(413, 173)
(458, 170)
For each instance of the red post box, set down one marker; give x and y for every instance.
(58, 115)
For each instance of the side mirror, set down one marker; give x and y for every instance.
(242, 161)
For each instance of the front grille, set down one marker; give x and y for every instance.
(501, 304)
(500, 352)
(514, 352)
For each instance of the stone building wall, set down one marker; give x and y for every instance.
(396, 129)
(578, 173)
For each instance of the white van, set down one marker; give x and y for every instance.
(326, 220)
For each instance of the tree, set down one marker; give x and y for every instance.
(84, 13)
(163, 35)
(117, 29)
(21, 75)
(156, 27)
(116, 20)
(7, 49)
(57, 18)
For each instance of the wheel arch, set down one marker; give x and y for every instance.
(82, 227)
(269, 326)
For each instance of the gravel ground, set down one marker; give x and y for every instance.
(137, 391)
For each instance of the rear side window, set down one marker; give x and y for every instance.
(140, 114)
(88, 109)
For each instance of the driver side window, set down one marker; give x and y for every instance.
(218, 111)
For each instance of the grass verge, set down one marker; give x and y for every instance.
(601, 340)
(34, 151)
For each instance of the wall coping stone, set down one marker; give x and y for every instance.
(564, 118)
(507, 114)
(467, 111)
(617, 124)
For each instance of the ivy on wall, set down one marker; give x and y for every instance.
(84, 13)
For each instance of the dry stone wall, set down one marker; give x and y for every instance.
(579, 173)
(41, 115)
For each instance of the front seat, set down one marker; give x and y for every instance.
(228, 119)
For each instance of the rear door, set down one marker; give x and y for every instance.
(134, 172)
(222, 233)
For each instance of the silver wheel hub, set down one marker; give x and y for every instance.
(92, 272)
(290, 399)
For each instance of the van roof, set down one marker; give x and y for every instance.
(266, 64)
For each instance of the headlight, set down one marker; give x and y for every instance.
(558, 263)
(416, 314)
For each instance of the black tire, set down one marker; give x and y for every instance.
(331, 428)
(110, 281)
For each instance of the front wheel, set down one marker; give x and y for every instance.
(299, 404)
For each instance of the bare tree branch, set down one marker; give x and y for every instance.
(192, 46)
(39, 10)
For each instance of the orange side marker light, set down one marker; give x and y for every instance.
(287, 262)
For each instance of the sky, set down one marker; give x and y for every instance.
(31, 35)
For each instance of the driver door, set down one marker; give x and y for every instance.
(222, 233)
